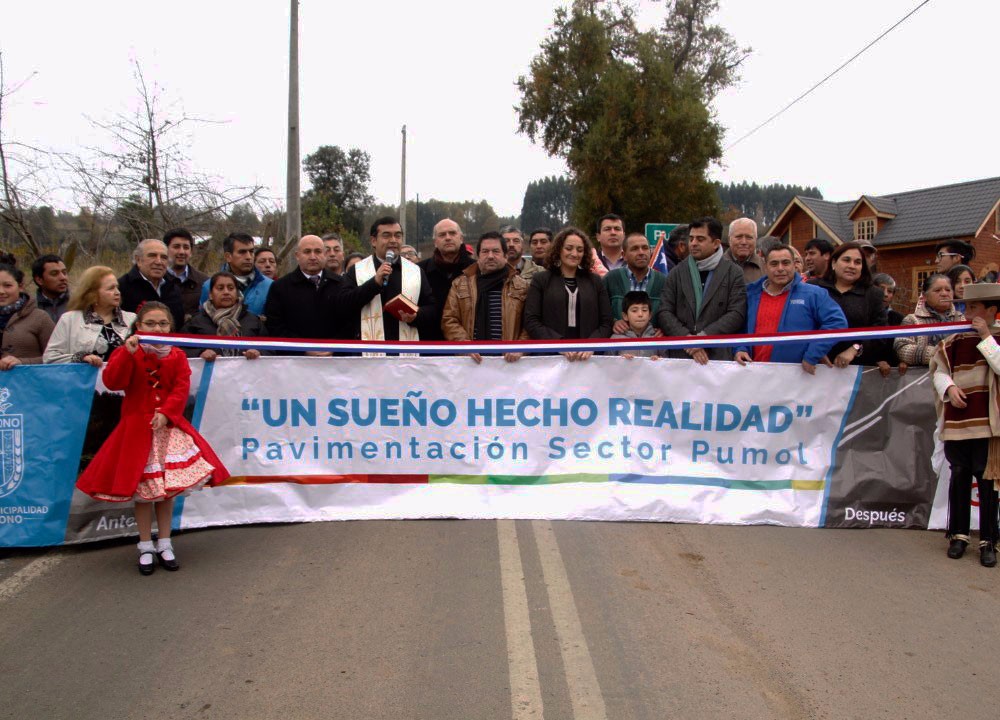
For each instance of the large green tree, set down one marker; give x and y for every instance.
(763, 203)
(547, 203)
(630, 110)
(320, 214)
(341, 179)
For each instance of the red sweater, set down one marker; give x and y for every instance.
(768, 317)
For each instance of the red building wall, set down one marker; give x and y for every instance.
(802, 229)
(905, 264)
(987, 247)
(901, 263)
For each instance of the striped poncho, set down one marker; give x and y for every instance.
(969, 362)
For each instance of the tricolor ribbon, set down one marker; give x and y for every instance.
(487, 347)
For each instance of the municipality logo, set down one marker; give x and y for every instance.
(11, 446)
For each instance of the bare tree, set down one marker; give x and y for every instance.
(20, 171)
(142, 180)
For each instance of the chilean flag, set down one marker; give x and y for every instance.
(660, 253)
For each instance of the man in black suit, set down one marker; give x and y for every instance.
(300, 304)
(146, 281)
(189, 279)
(449, 261)
(703, 295)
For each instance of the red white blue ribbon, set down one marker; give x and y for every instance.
(493, 347)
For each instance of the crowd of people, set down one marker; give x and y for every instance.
(509, 287)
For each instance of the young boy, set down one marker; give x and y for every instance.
(965, 368)
(637, 312)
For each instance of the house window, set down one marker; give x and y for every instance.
(864, 229)
(919, 275)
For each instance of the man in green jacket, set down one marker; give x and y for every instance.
(636, 275)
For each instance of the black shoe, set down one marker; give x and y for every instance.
(956, 549)
(146, 568)
(168, 564)
(987, 556)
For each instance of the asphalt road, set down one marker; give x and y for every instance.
(479, 619)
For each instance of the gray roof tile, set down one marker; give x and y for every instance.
(833, 214)
(921, 215)
(882, 204)
(940, 212)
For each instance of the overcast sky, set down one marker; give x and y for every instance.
(921, 108)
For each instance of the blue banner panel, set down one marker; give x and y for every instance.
(43, 418)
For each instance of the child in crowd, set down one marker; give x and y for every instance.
(637, 312)
(154, 454)
(964, 368)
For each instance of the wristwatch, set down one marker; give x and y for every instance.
(857, 349)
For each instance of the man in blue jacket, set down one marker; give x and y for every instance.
(781, 302)
(237, 251)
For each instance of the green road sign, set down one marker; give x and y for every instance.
(654, 231)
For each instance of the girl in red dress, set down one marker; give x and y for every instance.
(154, 454)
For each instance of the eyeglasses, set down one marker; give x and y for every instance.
(165, 325)
(941, 255)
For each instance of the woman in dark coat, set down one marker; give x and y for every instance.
(849, 282)
(223, 315)
(567, 300)
(24, 332)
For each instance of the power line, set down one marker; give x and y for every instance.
(842, 66)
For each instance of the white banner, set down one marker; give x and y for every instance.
(609, 438)
(540, 416)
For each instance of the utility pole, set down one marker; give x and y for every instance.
(417, 240)
(293, 197)
(402, 188)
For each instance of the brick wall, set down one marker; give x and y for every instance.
(906, 264)
(900, 263)
(987, 247)
(802, 229)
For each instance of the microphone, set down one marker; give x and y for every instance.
(390, 257)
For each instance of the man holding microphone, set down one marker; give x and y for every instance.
(385, 296)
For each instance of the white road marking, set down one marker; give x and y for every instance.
(584, 690)
(30, 572)
(525, 691)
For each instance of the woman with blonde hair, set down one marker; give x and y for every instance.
(94, 323)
